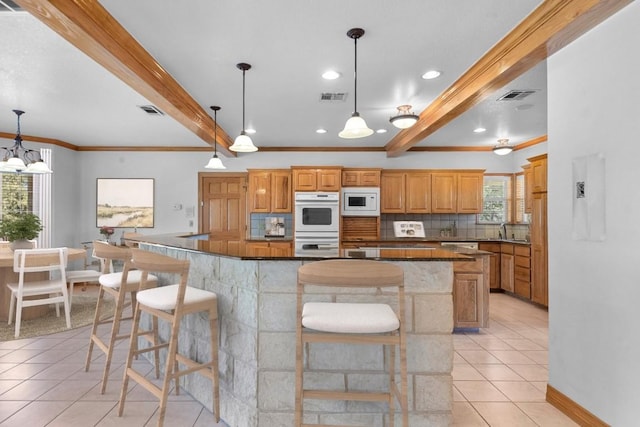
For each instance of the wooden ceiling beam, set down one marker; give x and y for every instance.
(89, 27)
(550, 27)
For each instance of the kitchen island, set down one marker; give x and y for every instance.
(257, 318)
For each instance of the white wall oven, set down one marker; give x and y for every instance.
(317, 224)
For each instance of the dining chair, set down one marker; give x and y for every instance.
(87, 275)
(52, 290)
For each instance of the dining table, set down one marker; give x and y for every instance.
(7, 275)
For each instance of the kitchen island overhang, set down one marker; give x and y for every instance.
(257, 318)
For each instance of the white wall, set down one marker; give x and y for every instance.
(594, 295)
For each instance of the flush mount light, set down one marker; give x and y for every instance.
(405, 118)
(355, 127)
(479, 130)
(215, 162)
(243, 143)
(321, 131)
(431, 74)
(331, 75)
(503, 147)
(17, 159)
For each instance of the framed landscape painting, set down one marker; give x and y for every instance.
(124, 202)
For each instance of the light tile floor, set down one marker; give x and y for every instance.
(500, 373)
(43, 383)
(499, 377)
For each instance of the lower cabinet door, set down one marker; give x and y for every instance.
(468, 300)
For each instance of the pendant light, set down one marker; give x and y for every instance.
(215, 162)
(243, 143)
(355, 127)
(18, 159)
(503, 147)
(405, 118)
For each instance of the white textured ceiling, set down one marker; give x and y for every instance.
(289, 43)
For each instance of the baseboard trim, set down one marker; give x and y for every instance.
(572, 410)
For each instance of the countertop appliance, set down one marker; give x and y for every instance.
(360, 201)
(317, 224)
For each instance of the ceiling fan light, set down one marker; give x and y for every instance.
(503, 148)
(355, 127)
(215, 163)
(243, 144)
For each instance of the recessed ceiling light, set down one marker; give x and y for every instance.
(381, 131)
(250, 131)
(524, 107)
(330, 75)
(479, 130)
(431, 74)
(321, 130)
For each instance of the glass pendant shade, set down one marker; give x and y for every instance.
(405, 118)
(243, 144)
(215, 163)
(503, 148)
(355, 127)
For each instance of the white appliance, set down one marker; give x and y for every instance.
(317, 224)
(360, 201)
(317, 213)
(408, 228)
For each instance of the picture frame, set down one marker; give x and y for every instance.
(125, 202)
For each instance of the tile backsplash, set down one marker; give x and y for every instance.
(258, 223)
(442, 225)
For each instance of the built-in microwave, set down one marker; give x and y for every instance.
(360, 201)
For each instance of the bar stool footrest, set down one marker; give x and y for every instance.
(347, 395)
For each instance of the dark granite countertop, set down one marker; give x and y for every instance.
(202, 243)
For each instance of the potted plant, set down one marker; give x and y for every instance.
(19, 229)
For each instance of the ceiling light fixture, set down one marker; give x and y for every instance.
(321, 130)
(479, 130)
(503, 147)
(381, 131)
(330, 75)
(18, 159)
(431, 74)
(215, 162)
(243, 143)
(355, 127)
(405, 118)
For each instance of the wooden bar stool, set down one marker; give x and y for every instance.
(352, 323)
(170, 303)
(116, 284)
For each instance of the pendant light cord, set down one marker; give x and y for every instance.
(355, 76)
(243, 71)
(215, 133)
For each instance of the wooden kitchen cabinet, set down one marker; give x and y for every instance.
(361, 177)
(522, 271)
(270, 191)
(405, 192)
(268, 248)
(444, 186)
(539, 173)
(494, 263)
(316, 179)
(507, 267)
(471, 293)
(456, 191)
(470, 190)
(528, 188)
(539, 268)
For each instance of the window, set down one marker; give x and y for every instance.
(496, 200)
(17, 193)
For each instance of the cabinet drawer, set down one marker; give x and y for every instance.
(522, 261)
(506, 248)
(522, 273)
(522, 250)
(475, 266)
(523, 288)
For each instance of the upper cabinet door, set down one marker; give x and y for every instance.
(444, 187)
(418, 191)
(539, 173)
(281, 191)
(392, 192)
(328, 179)
(470, 192)
(304, 180)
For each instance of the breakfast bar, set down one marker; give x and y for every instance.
(257, 318)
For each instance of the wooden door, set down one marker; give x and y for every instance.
(539, 285)
(223, 208)
(328, 179)
(507, 272)
(469, 198)
(392, 192)
(370, 178)
(444, 188)
(528, 188)
(418, 192)
(467, 300)
(494, 263)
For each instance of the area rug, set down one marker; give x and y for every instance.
(82, 312)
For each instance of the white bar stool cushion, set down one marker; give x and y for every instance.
(112, 280)
(164, 297)
(349, 318)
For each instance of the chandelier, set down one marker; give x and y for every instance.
(17, 159)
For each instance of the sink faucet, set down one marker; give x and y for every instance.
(502, 231)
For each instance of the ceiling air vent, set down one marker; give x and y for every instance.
(516, 95)
(9, 6)
(151, 110)
(333, 97)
